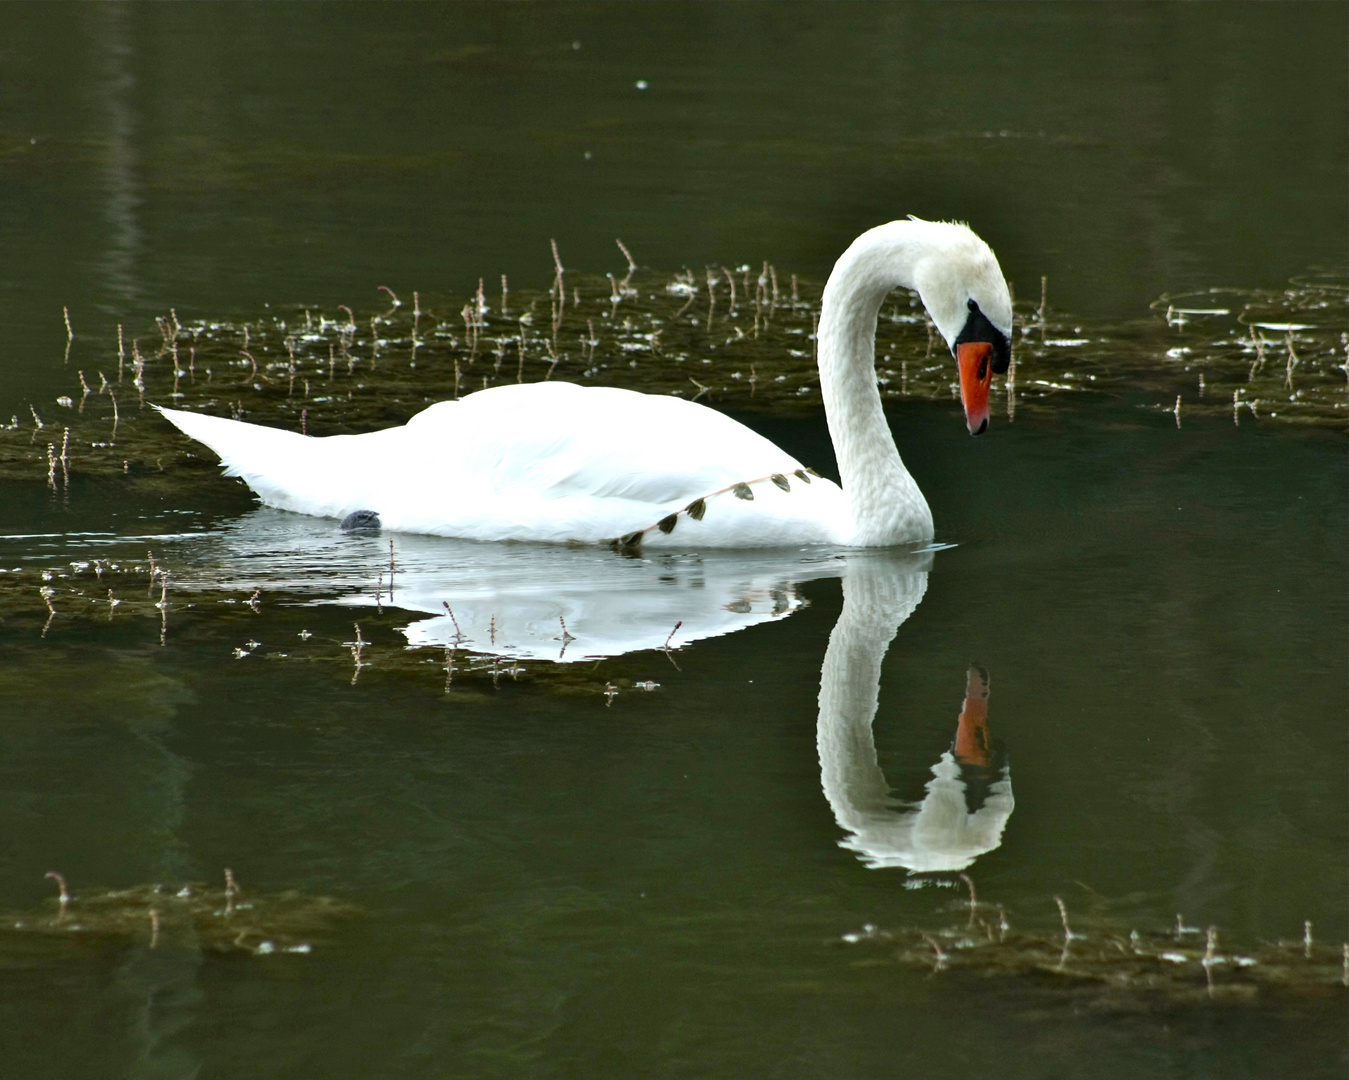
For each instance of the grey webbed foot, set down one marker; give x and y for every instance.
(360, 521)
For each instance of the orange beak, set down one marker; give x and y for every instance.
(975, 360)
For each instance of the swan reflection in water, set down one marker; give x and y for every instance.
(560, 604)
(969, 797)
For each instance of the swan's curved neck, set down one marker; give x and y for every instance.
(885, 504)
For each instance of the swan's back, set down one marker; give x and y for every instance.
(539, 461)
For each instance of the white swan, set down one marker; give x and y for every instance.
(558, 462)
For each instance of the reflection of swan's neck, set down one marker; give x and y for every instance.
(874, 605)
(885, 504)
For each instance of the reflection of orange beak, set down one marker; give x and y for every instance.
(975, 360)
(973, 745)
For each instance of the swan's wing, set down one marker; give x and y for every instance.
(555, 461)
(559, 440)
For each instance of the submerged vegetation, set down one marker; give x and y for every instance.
(1100, 959)
(192, 915)
(316, 617)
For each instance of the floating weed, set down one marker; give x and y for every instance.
(641, 333)
(1109, 965)
(229, 920)
(86, 593)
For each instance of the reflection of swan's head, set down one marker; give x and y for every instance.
(958, 819)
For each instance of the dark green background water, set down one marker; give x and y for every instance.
(554, 888)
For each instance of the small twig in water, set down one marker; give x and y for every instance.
(937, 951)
(458, 634)
(357, 647)
(1068, 934)
(666, 647)
(231, 890)
(632, 263)
(1210, 957)
(566, 638)
(520, 369)
(51, 611)
(974, 901)
(60, 880)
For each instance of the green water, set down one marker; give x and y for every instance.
(559, 881)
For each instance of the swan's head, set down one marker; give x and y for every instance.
(961, 285)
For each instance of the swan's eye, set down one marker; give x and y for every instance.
(972, 305)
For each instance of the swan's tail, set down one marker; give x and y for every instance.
(284, 468)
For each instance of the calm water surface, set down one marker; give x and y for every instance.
(558, 884)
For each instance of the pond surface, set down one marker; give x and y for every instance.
(695, 814)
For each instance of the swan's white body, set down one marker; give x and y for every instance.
(556, 462)
(538, 461)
